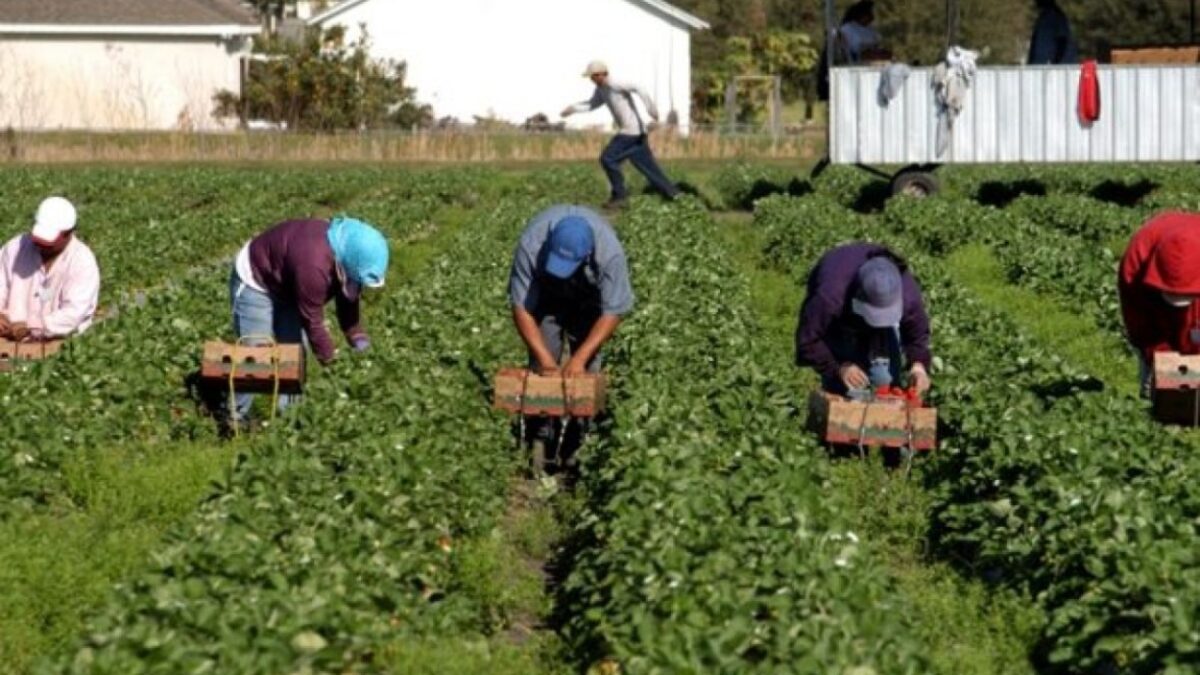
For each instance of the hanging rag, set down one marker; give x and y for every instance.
(892, 81)
(1089, 94)
(952, 78)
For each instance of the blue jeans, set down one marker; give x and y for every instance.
(636, 149)
(256, 315)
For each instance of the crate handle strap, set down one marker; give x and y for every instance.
(521, 409)
(275, 358)
(565, 421)
(862, 431)
(910, 451)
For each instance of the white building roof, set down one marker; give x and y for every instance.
(667, 10)
(126, 17)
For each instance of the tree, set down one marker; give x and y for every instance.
(323, 84)
(789, 55)
(272, 8)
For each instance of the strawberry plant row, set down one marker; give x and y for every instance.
(351, 529)
(707, 544)
(123, 382)
(147, 224)
(1051, 484)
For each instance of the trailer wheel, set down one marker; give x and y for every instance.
(917, 184)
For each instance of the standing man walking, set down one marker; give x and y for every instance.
(631, 142)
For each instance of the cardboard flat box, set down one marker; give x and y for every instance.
(519, 391)
(887, 424)
(1176, 394)
(1156, 55)
(254, 369)
(12, 353)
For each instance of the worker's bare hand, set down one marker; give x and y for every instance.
(920, 378)
(853, 377)
(548, 368)
(18, 332)
(567, 112)
(5, 326)
(575, 368)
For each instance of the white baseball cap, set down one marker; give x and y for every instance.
(54, 217)
(595, 68)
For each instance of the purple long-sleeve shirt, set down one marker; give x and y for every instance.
(827, 310)
(294, 262)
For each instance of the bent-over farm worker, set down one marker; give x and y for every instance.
(283, 278)
(569, 283)
(1159, 285)
(631, 142)
(49, 279)
(862, 317)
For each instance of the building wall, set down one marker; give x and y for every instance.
(115, 83)
(512, 59)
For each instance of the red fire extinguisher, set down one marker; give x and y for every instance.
(1089, 94)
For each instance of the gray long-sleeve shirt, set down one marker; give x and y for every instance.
(606, 269)
(619, 99)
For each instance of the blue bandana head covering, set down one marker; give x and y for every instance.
(360, 250)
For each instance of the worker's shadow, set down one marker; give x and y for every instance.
(484, 380)
(872, 197)
(1123, 194)
(1002, 193)
(208, 398)
(1055, 390)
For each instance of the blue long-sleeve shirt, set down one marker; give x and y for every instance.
(827, 311)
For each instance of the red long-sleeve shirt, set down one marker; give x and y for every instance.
(1163, 256)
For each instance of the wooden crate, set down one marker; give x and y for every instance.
(12, 353)
(254, 368)
(1156, 55)
(884, 424)
(1176, 393)
(519, 391)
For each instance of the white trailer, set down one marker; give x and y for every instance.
(1012, 114)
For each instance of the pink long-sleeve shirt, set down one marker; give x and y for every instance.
(57, 302)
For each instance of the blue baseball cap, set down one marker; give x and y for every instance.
(571, 242)
(880, 297)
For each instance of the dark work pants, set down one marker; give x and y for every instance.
(636, 149)
(860, 348)
(571, 327)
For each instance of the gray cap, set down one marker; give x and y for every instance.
(880, 297)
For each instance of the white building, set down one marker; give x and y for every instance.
(512, 59)
(132, 64)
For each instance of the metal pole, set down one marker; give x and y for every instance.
(830, 46)
(1192, 23)
(951, 23)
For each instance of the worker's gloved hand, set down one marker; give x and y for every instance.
(919, 378)
(18, 332)
(853, 377)
(361, 343)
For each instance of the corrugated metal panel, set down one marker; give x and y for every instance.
(1018, 114)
